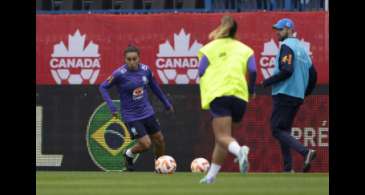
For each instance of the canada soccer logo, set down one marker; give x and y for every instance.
(268, 56)
(178, 64)
(75, 64)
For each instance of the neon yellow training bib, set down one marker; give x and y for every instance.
(226, 72)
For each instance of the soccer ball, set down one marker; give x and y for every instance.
(165, 165)
(199, 165)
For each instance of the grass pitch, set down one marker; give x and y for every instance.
(180, 183)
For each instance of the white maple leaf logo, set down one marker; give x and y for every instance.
(177, 64)
(84, 59)
(181, 46)
(76, 43)
(269, 54)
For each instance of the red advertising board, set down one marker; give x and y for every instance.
(86, 48)
(310, 127)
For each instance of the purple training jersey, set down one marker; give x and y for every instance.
(132, 89)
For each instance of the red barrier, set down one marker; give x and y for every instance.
(85, 49)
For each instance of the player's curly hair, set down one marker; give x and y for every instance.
(227, 28)
(131, 48)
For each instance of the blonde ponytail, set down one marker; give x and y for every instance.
(223, 29)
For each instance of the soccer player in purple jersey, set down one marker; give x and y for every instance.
(131, 81)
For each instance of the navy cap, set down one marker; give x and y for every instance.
(285, 22)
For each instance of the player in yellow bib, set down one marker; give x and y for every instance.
(225, 91)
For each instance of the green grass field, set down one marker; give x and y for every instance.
(145, 183)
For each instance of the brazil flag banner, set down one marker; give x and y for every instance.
(108, 138)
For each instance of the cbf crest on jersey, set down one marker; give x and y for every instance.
(138, 93)
(107, 139)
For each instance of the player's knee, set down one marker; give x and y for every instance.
(161, 138)
(146, 144)
(221, 139)
(158, 139)
(275, 133)
(273, 126)
(218, 139)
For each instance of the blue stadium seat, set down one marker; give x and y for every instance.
(122, 4)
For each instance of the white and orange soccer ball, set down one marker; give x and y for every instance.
(199, 165)
(165, 165)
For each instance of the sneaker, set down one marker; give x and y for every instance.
(308, 158)
(128, 162)
(289, 171)
(243, 159)
(205, 180)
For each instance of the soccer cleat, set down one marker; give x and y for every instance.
(128, 162)
(289, 171)
(205, 180)
(243, 159)
(308, 158)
